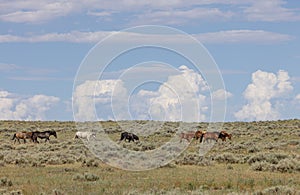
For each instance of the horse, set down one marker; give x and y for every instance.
(85, 135)
(188, 135)
(223, 134)
(129, 136)
(199, 134)
(22, 135)
(210, 136)
(43, 135)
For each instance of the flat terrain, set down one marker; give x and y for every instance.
(261, 158)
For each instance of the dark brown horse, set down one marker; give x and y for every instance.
(223, 135)
(216, 135)
(187, 135)
(129, 136)
(43, 135)
(22, 135)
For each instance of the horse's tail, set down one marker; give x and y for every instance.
(14, 136)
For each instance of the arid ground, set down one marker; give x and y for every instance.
(261, 158)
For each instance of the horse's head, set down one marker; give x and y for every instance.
(53, 133)
(229, 136)
(225, 134)
(198, 134)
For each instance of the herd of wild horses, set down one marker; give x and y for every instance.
(205, 136)
(202, 135)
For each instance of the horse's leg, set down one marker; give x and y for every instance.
(24, 140)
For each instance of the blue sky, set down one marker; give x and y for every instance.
(256, 45)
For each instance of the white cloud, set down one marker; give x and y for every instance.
(36, 13)
(142, 12)
(14, 107)
(8, 67)
(265, 88)
(108, 94)
(271, 11)
(297, 98)
(181, 97)
(221, 94)
(243, 36)
(172, 17)
(231, 36)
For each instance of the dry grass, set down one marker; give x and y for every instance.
(262, 157)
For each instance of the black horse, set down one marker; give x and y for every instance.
(129, 136)
(43, 135)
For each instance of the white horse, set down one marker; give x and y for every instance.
(85, 135)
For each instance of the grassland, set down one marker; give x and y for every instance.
(261, 158)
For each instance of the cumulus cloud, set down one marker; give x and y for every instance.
(182, 97)
(14, 107)
(104, 94)
(261, 93)
(221, 94)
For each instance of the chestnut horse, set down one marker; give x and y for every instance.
(188, 135)
(199, 134)
(22, 135)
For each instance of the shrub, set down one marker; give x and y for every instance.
(272, 158)
(288, 165)
(226, 158)
(54, 161)
(277, 190)
(90, 163)
(85, 177)
(262, 166)
(16, 192)
(194, 159)
(285, 165)
(57, 192)
(4, 181)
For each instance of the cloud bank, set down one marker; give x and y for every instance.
(15, 107)
(182, 97)
(263, 94)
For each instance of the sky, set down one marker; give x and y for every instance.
(46, 47)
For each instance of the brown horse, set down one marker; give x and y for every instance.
(187, 135)
(210, 136)
(199, 134)
(223, 134)
(22, 135)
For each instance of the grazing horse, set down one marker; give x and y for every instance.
(188, 135)
(210, 136)
(43, 135)
(224, 134)
(129, 136)
(199, 134)
(22, 135)
(85, 135)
